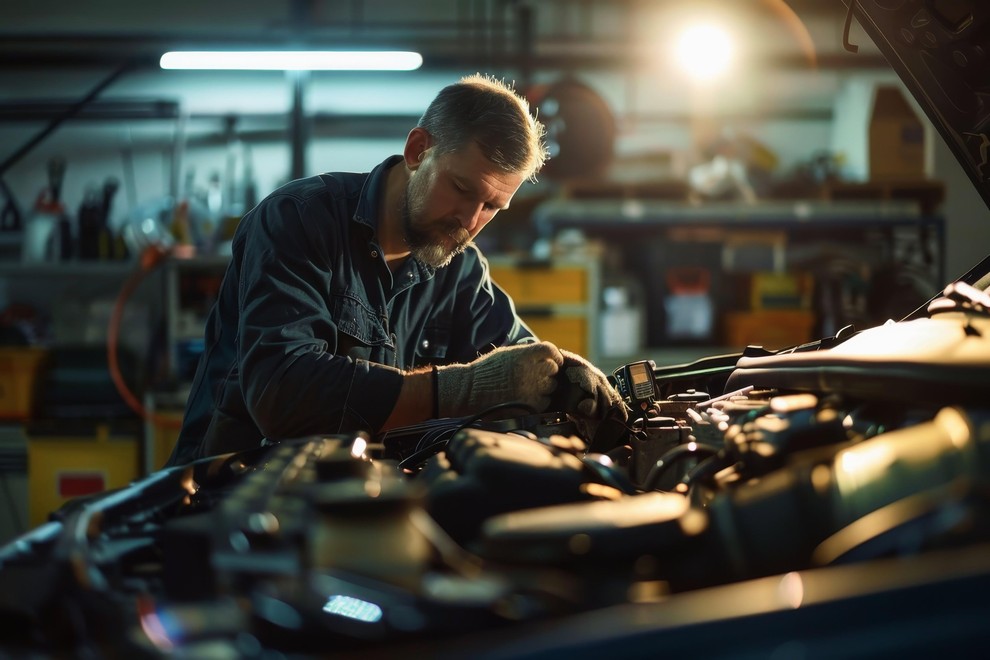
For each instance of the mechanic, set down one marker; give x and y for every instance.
(359, 301)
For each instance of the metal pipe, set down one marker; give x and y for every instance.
(68, 114)
(298, 129)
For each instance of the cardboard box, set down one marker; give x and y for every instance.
(897, 137)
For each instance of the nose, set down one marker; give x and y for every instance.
(469, 216)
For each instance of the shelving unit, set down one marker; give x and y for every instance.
(736, 242)
(75, 299)
(76, 439)
(191, 286)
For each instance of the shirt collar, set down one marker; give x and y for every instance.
(372, 192)
(369, 203)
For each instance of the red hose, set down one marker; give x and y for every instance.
(150, 259)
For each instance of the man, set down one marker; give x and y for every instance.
(359, 302)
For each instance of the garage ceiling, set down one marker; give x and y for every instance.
(54, 53)
(459, 34)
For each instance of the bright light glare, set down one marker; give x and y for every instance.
(300, 60)
(353, 608)
(704, 52)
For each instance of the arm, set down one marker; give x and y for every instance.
(524, 374)
(291, 255)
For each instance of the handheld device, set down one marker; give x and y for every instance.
(636, 384)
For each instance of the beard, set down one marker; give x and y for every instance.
(433, 242)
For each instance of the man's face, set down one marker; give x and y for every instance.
(449, 200)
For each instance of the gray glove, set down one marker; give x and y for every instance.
(523, 373)
(598, 397)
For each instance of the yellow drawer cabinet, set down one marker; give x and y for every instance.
(568, 332)
(61, 468)
(543, 284)
(558, 299)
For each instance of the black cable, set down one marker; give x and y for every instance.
(498, 406)
(609, 476)
(705, 469)
(12, 505)
(434, 431)
(420, 455)
(425, 451)
(620, 453)
(676, 454)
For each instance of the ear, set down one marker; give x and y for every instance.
(417, 143)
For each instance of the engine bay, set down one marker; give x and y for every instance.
(722, 499)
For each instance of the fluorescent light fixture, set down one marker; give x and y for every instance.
(294, 60)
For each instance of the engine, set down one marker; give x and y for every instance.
(771, 494)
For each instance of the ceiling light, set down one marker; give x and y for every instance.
(704, 52)
(301, 60)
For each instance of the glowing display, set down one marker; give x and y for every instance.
(638, 373)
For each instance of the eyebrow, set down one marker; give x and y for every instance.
(473, 189)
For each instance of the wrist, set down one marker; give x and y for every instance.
(413, 405)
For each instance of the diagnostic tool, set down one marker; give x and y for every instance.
(635, 382)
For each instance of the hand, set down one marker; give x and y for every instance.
(597, 397)
(524, 373)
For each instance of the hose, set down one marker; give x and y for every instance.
(152, 257)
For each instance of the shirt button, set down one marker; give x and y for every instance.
(374, 254)
(425, 343)
(409, 275)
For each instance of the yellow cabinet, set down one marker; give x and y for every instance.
(557, 298)
(61, 468)
(543, 284)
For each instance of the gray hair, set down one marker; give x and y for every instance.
(492, 114)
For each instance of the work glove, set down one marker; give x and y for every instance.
(524, 373)
(591, 398)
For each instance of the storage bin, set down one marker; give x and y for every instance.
(19, 368)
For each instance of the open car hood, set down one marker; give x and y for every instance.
(941, 51)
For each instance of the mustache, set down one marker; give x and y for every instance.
(459, 234)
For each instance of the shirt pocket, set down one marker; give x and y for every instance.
(358, 321)
(433, 344)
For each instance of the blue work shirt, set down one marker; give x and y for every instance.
(310, 327)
